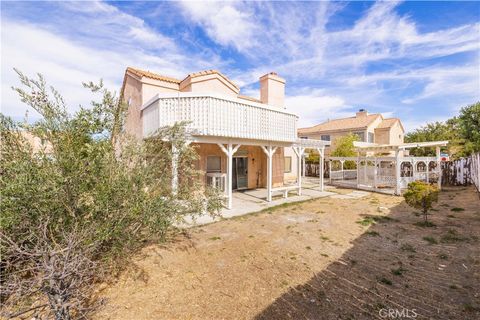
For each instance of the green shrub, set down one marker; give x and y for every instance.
(75, 209)
(421, 195)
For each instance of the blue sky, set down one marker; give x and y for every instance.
(418, 61)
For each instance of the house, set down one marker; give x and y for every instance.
(370, 128)
(240, 140)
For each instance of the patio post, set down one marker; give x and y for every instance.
(229, 152)
(358, 168)
(375, 173)
(439, 168)
(299, 151)
(303, 163)
(269, 151)
(428, 165)
(321, 165)
(397, 173)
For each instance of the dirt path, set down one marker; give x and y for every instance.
(313, 260)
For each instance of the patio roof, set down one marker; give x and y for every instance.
(365, 146)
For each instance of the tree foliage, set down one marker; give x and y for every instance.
(421, 195)
(462, 132)
(344, 148)
(78, 207)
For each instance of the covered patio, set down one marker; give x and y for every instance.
(385, 174)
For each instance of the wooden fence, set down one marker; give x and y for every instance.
(464, 171)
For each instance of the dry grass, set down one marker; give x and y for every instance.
(314, 262)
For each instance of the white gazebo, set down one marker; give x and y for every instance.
(386, 174)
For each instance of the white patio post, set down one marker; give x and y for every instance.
(341, 168)
(321, 164)
(439, 168)
(269, 151)
(299, 151)
(229, 152)
(175, 153)
(375, 173)
(397, 173)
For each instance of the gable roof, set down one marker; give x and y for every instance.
(387, 123)
(151, 75)
(342, 124)
(208, 72)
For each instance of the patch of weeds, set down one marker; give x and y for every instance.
(443, 256)
(446, 205)
(372, 233)
(312, 220)
(251, 236)
(430, 240)
(398, 271)
(452, 286)
(457, 209)
(450, 216)
(416, 214)
(366, 221)
(353, 262)
(308, 248)
(324, 238)
(385, 281)
(293, 258)
(214, 238)
(324, 255)
(452, 236)
(407, 247)
(425, 224)
(290, 226)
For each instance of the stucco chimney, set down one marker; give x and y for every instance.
(272, 90)
(361, 113)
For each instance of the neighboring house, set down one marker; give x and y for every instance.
(240, 140)
(371, 128)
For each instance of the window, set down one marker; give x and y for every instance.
(361, 135)
(371, 137)
(288, 164)
(214, 164)
(325, 137)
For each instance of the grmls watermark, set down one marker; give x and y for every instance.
(398, 313)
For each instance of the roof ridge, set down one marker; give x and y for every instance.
(152, 75)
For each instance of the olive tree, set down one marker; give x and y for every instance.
(77, 205)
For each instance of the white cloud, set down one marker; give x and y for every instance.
(224, 22)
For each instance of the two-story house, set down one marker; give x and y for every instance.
(372, 128)
(240, 140)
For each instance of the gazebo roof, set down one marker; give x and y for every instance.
(365, 146)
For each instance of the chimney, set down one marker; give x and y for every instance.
(272, 90)
(361, 113)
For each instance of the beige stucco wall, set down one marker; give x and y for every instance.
(209, 83)
(290, 177)
(257, 163)
(397, 134)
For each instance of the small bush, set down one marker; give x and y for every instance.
(385, 281)
(421, 195)
(457, 209)
(407, 247)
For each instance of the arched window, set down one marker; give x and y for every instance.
(406, 169)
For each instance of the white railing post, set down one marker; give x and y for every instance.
(397, 173)
(375, 173)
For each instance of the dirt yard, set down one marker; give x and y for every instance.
(322, 259)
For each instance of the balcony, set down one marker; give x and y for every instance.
(219, 116)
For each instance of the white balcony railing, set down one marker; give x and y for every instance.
(212, 115)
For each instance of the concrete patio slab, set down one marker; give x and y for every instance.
(249, 201)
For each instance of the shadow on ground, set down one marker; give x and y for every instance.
(417, 272)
